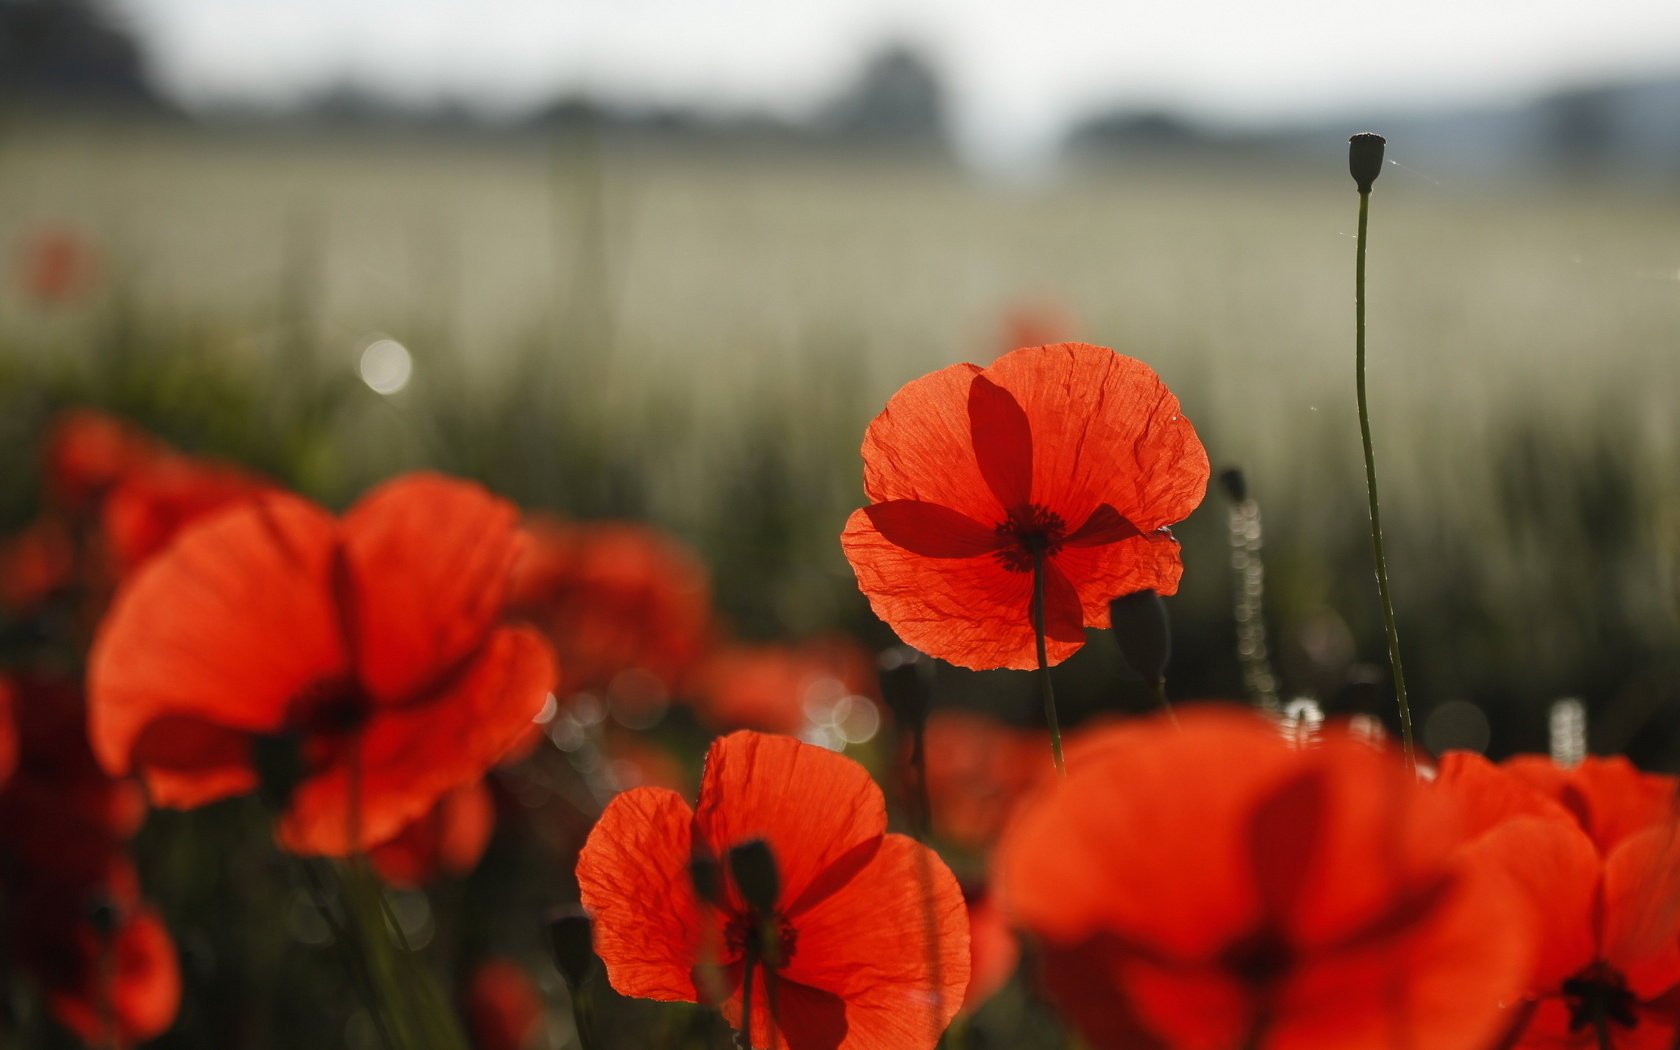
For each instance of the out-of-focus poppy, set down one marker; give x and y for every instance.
(783, 688)
(1068, 461)
(977, 768)
(504, 1007)
(447, 839)
(994, 953)
(866, 944)
(614, 598)
(1214, 887)
(359, 663)
(1594, 853)
(57, 265)
(1036, 322)
(87, 452)
(36, 564)
(101, 957)
(162, 495)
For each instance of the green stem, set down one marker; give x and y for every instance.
(1045, 688)
(1389, 627)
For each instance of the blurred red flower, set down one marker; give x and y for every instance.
(447, 839)
(977, 769)
(57, 265)
(504, 1006)
(162, 495)
(87, 452)
(1071, 453)
(873, 946)
(1594, 853)
(1036, 322)
(80, 927)
(1214, 887)
(360, 662)
(780, 687)
(613, 597)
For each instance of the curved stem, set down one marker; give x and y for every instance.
(1044, 686)
(1158, 693)
(1389, 628)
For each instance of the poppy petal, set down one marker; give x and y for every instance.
(1003, 444)
(1150, 562)
(1128, 445)
(893, 943)
(1105, 525)
(413, 755)
(1642, 910)
(819, 811)
(634, 880)
(227, 626)
(932, 531)
(921, 447)
(973, 612)
(187, 762)
(1553, 869)
(429, 559)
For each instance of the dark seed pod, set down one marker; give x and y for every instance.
(1365, 157)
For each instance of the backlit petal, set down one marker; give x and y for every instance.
(921, 447)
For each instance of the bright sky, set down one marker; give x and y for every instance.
(1019, 70)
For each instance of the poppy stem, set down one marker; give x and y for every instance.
(1047, 690)
(1389, 629)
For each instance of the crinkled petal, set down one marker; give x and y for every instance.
(921, 447)
(429, 560)
(411, 756)
(1003, 442)
(225, 627)
(973, 612)
(819, 811)
(932, 531)
(633, 875)
(1150, 562)
(1105, 430)
(893, 942)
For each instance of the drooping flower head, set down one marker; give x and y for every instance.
(1214, 887)
(1593, 852)
(868, 938)
(361, 656)
(1068, 458)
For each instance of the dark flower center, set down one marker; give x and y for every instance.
(331, 707)
(1030, 531)
(1597, 996)
(1258, 959)
(746, 932)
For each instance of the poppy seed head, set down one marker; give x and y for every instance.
(1365, 158)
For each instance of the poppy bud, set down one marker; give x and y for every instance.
(1365, 157)
(573, 942)
(279, 761)
(906, 684)
(707, 876)
(1139, 622)
(1235, 485)
(754, 868)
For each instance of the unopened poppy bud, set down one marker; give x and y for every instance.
(279, 761)
(1365, 157)
(573, 941)
(754, 868)
(1139, 622)
(707, 876)
(906, 684)
(1235, 485)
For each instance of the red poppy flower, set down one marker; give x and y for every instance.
(977, 769)
(873, 940)
(448, 839)
(162, 495)
(1214, 887)
(64, 831)
(613, 597)
(36, 564)
(57, 265)
(366, 652)
(1036, 322)
(782, 688)
(504, 1007)
(87, 452)
(1594, 852)
(1070, 454)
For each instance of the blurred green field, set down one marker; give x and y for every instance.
(631, 327)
